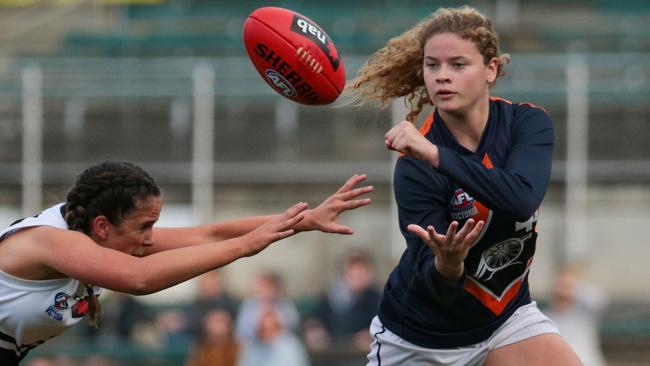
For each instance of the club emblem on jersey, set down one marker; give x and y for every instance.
(462, 205)
(499, 256)
(56, 310)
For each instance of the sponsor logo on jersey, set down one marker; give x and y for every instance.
(310, 30)
(56, 310)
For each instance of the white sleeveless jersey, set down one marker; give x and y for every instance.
(32, 312)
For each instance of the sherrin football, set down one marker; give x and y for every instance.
(294, 55)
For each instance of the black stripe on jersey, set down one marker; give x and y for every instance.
(17, 221)
(21, 220)
(8, 338)
(20, 349)
(37, 215)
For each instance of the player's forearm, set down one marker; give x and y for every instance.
(168, 268)
(432, 156)
(234, 228)
(446, 287)
(166, 238)
(518, 192)
(450, 271)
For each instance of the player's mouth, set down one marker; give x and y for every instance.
(445, 94)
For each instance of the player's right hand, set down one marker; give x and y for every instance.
(404, 137)
(275, 229)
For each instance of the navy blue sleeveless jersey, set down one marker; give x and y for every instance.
(502, 183)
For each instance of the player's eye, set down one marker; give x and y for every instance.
(146, 226)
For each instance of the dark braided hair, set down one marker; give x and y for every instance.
(110, 188)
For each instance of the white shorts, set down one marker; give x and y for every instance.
(389, 349)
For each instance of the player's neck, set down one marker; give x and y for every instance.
(467, 126)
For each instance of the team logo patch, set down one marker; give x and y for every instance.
(60, 305)
(462, 205)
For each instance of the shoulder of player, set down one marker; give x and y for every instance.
(522, 114)
(27, 250)
(47, 239)
(518, 108)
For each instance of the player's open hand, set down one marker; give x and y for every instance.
(325, 217)
(450, 249)
(405, 138)
(276, 229)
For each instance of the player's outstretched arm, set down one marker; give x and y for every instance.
(323, 218)
(77, 256)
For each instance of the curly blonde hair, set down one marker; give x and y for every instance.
(396, 69)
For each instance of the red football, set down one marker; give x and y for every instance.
(294, 55)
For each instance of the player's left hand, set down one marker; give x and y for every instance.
(452, 248)
(325, 217)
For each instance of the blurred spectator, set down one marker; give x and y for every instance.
(122, 316)
(172, 327)
(100, 360)
(211, 295)
(576, 308)
(167, 330)
(41, 361)
(217, 345)
(51, 361)
(274, 344)
(343, 315)
(128, 313)
(267, 292)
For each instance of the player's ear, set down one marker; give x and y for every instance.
(99, 227)
(491, 70)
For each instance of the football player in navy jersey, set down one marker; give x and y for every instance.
(468, 185)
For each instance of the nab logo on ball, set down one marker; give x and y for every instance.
(310, 30)
(280, 83)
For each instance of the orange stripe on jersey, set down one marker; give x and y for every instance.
(495, 305)
(534, 106)
(500, 99)
(487, 162)
(426, 126)
(524, 103)
(482, 212)
(488, 299)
